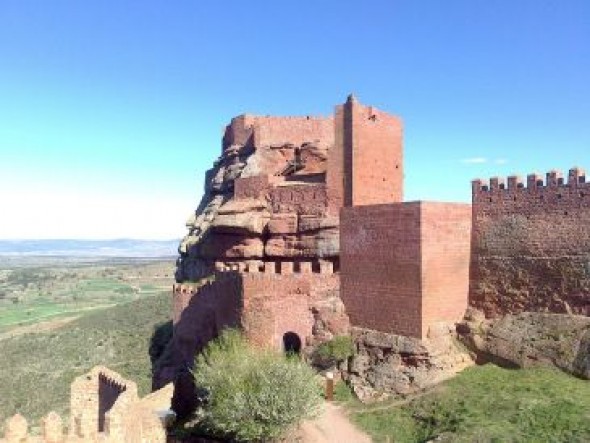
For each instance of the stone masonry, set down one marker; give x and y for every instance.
(531, 244)
(104, 407)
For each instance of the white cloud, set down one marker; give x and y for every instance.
(500, 161)
(474, 160)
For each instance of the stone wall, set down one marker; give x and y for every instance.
(104, 407)
(531, 244)
(268, 307)
(405, 266)
(276, 131)
(299, 199)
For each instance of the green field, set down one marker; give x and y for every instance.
(484, 404)
(35, 291)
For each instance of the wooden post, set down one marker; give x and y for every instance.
(329, 386)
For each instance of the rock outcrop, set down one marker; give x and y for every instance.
(529, 339)
(264, 199)
(389, 364)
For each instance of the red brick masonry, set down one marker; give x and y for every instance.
(405, 266)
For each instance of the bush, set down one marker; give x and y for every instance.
(334, 351)
(252, 395)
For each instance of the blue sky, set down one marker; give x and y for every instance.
(111, 111)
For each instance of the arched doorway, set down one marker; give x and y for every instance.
(291, 343)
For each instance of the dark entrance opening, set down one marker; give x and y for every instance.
(291, 343)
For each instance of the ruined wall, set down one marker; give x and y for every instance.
(104, 407)
(92, 397)
(531, 244)
(405, 266)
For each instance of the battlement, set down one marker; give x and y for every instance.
(278, 267)
(553, 178)
(254, 130)
(537, 193)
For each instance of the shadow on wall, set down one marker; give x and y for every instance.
(108, 393)
(209, 310)
(159, 350)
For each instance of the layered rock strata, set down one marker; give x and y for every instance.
(265, 199)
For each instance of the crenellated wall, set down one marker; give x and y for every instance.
(531, 244)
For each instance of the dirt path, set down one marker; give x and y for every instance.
(333, 426)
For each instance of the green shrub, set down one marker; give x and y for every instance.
(252, 394)
(334, 351)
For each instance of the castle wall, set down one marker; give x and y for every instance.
(277, 131)
(445, 253)
(282, 299)
(266, 305)
(381, 267)
(405, 266)
(531, 244)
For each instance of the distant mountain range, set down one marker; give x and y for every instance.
(90, 248)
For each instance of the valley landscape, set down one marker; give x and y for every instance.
(60, 315)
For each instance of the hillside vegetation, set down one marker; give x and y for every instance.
(36, 369)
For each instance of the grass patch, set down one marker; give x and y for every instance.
(487, 404)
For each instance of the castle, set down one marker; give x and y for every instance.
(302, 234)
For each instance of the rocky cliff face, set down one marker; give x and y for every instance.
(264, 199)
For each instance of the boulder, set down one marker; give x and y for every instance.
(531, 338)
(389, 364)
